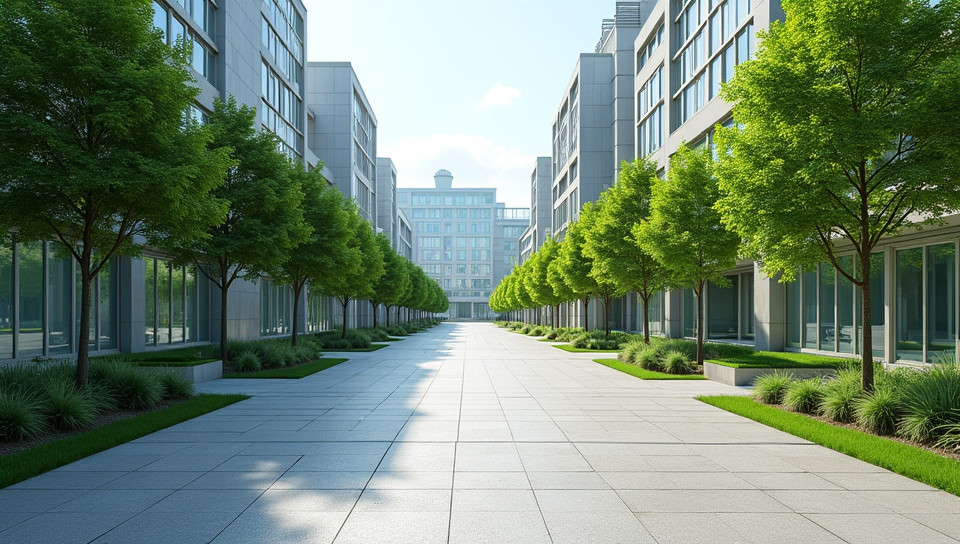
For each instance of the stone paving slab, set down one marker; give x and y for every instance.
(468, 433)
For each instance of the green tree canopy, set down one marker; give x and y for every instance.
(359, 267)
(616, 254)
(317, 255)
(684, 232)
(388, 288)
(94, 150)
(264, 220)
(848, 130)
(538, 283)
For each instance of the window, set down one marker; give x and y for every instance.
(173, 310)
(276, 308)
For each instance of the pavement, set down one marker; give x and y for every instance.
(469, 433)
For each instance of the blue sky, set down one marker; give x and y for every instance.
(466, 85)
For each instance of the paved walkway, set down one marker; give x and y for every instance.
(468, 433)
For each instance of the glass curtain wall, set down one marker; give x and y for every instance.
(276, 308)
(730, 314)
(173, 312)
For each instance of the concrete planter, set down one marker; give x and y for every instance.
(745, 376)
(194, 374)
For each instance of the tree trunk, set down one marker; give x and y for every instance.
(556, 314)
(223, 316)
(297, 288)
(866, 346)
(646, 319)
(344, 302)
(83, 341)
(699, 293)
(375, 305)
(606, 315)
(586, 314)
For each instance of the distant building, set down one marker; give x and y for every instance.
(464, 239)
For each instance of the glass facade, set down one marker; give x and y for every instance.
(276, 308)
(173, 313)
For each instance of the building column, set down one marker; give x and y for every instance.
(672, 309)
(132, 304)
(770, 312)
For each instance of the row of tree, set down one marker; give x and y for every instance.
(98, 153)
(847, 129)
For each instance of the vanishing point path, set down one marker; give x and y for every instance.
(469, 433)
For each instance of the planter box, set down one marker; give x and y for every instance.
(194, 374)
(745, 376)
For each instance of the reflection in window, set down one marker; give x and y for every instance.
(6, 297)
(846, 336)
(747, 315)
(910, 304)
(828, 328)
(31, 299)
(877, 304)
(810, 309)
(941, 300)
(722, 310)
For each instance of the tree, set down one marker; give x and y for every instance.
(849, 131)
(359, 267)
(684, 232)
(94, 151)
(611, 242)
(264, 220)
(538, 284)
(555, 277)
(403, 286)
(317, 255)
(388, 288)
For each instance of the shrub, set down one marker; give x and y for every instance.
(930, 401)
(305, 354)
(525, 329)
(630, 351)
(539, 330)
(676, 362)
(771, 387)
(64, 407)
(236, 348)
(377, 334)
(649, 359)
(19, 416)
(840, 394)
(271, 355)
(569, 333)
(949, 436)
(130, 387)
(175, 386)
(247, 362)
(879, 411)
(804, 396)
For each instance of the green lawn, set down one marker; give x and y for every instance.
(910, 461)
(194, 354)
(16, 467)
(176, 363)
(778, 359)
(644, 374)
(571, 349)
(292, 372)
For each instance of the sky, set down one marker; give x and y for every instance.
(471, 86)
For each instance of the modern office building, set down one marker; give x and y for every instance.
(458, 236)
(540, 209)
(345, 132)
(254, 52)
(593, 132)
(388, 215)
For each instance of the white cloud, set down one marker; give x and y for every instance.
(499, 96)
(474, 161)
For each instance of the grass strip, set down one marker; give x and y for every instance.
(910, 461)
(292, 372)
(16, 467)
(176, 363)
(571, 349)
(373, 347)
(777, 359)
(645, 374)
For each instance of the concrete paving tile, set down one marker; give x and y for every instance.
(778, 528)
(675, 480)
(68, 479)
(878, 529)
(282, 527)
(948, 524)
(488, 457)
(14, 500)
(395, 527)
(337, 463)
(494, 500)
(609, 528)
(411, 480)
(258, 463)
(788, 480)
(566, 480)
(113, 500)
(234, 480)
(112, 462)
(9, 519)
(152, 480)
(815, 501)
(207, 500)
(689, 528)
(419, 456)
(404, 500)
(62, 527)
(580, 500)
(915, 502)
(307, 500)
(490, 480)
(497, 527)
(164, 527)
(874, 481)
(700, 501)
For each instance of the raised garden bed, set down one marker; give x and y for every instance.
(743, 370)
(194, 372)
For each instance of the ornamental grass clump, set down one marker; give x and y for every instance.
(931, 402)
(175, 386)
(629, 352)
(20, 417)
(840, 395)
(247, 362)
(771, 387)
(677, 362)
(64, 407)
(879, 410)
(131, 388)
(804, 396)
(649, 359)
